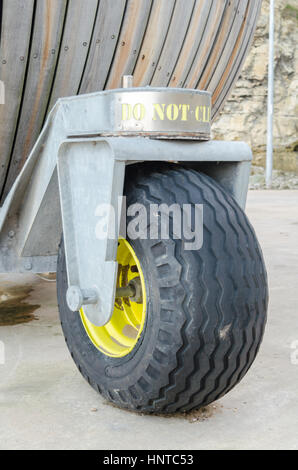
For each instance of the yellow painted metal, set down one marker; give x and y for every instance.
(120, 336)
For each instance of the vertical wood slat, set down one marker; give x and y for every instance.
(130, 41)
(174, 42)
(160, 20)
(193, 43)
(210, 33)
(103, 45)
(49, 19)
(237, 56)
(231, 35)
(16, 16)
(224, 33)
(75, 44)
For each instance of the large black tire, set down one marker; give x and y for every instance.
(206, 309)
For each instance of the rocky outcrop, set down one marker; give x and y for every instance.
(244, 115)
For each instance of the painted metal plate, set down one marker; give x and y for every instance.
(174, 113)
(151, 112)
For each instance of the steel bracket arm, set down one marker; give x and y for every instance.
(90, 184)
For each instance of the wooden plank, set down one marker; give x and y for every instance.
(192, 42)
(231, 35)
(103, 45)
(48, 25)
(237, 56)
(74, 49)
(174, 42)
(210, 33)
(220, 42)
(130, 40)
(242, 54)
(156, 33)
(16, 16)
(164, 42)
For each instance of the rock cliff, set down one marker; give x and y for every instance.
(244, 115)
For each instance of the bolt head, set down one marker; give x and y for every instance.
(74, 298)
(28, 266)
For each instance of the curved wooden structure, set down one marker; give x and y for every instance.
(54, 48)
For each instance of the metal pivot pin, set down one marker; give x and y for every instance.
(76, 298)
(127, 81)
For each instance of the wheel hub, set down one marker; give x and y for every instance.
(120, 336)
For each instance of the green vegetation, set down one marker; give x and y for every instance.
(290, 11)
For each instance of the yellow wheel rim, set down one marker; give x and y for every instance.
(120, 336)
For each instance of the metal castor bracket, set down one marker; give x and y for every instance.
(78, 164)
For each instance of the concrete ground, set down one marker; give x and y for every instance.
(45, 403)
